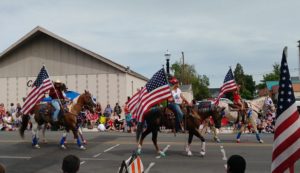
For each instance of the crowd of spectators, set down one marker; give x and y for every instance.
(266, 124)
(10, 118)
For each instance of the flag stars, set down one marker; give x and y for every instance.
(283, 85)
(289, 100)
(289, 92)
(283, 78)
(282, 92)
(281, 99)
(284, 71)
(280, 107)
(285, 64)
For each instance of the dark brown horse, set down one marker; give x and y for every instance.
(41, 114)
(192, 120)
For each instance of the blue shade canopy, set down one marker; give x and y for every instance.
(69, 94)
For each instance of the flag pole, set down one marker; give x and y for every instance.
(60, 104)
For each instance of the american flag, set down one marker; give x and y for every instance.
(41, 85)
(228, 85)
(286, 146)
(156, 90)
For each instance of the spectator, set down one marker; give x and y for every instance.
(70, 164)
(2, 110)
(108, 111)
(128, 118)
(117, 109)
(98, 109)
(236, 164)
(8, 122)
(2, 168)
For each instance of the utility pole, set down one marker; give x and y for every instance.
(183, 71)
(299, 61)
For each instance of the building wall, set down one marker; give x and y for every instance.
(133, 84)
(59, 59)
(78, 70)
(107, 88)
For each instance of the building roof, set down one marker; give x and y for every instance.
(39, 30)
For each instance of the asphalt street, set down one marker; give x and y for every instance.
(106, 150)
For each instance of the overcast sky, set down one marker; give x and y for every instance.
(213, 34)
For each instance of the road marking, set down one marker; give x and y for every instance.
(14, 157)
(149, 167)
(111, 148)
(96, 155)
(223, 152)
(81, 163)
(164, 150)
(92, 159)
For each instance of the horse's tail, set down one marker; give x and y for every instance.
(25, 120)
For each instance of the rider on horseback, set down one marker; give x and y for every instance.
(57, 95)
(176, 101)
(238, 103)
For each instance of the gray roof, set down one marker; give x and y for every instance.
(39, 30)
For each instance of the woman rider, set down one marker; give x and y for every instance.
(238, 102)
(57, 95)
(176, 101)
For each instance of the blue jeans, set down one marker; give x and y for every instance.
(179, 115)
(55, 104)
(176, 108)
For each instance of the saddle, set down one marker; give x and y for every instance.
(205, 106)
(46, 110)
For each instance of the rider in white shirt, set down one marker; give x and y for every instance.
(176, 101)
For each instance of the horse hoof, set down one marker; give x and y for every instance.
(37, 146)
(218, 140)
(44, 141)
(202, 153)
(189, 153)
(238, 141)
(162, 154)
(84, 142)
(63, 147)
(261, 141)
(82, 147)
(139, 151)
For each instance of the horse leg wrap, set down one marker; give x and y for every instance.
(238, 135)
(62, 141)
(34, 140)
(79, 142)
(203, 146)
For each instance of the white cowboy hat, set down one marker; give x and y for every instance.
(57, 81)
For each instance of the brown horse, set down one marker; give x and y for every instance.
(155, 118)
(41, 114)
(192, 120)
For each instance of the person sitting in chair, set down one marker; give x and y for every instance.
(176, 101)
(237, 100)
(57, 95)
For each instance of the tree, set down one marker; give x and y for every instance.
(246, 82)
(273, 76)
(187, 74)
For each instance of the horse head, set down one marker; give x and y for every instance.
(87, 101)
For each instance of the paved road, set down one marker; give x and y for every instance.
(106, 150)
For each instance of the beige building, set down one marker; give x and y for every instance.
(79, 68)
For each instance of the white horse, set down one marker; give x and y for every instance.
(256, 106)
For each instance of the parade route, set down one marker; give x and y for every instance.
(106, 150)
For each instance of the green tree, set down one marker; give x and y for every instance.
(187, 74)
(246, 82)
(273, 76)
